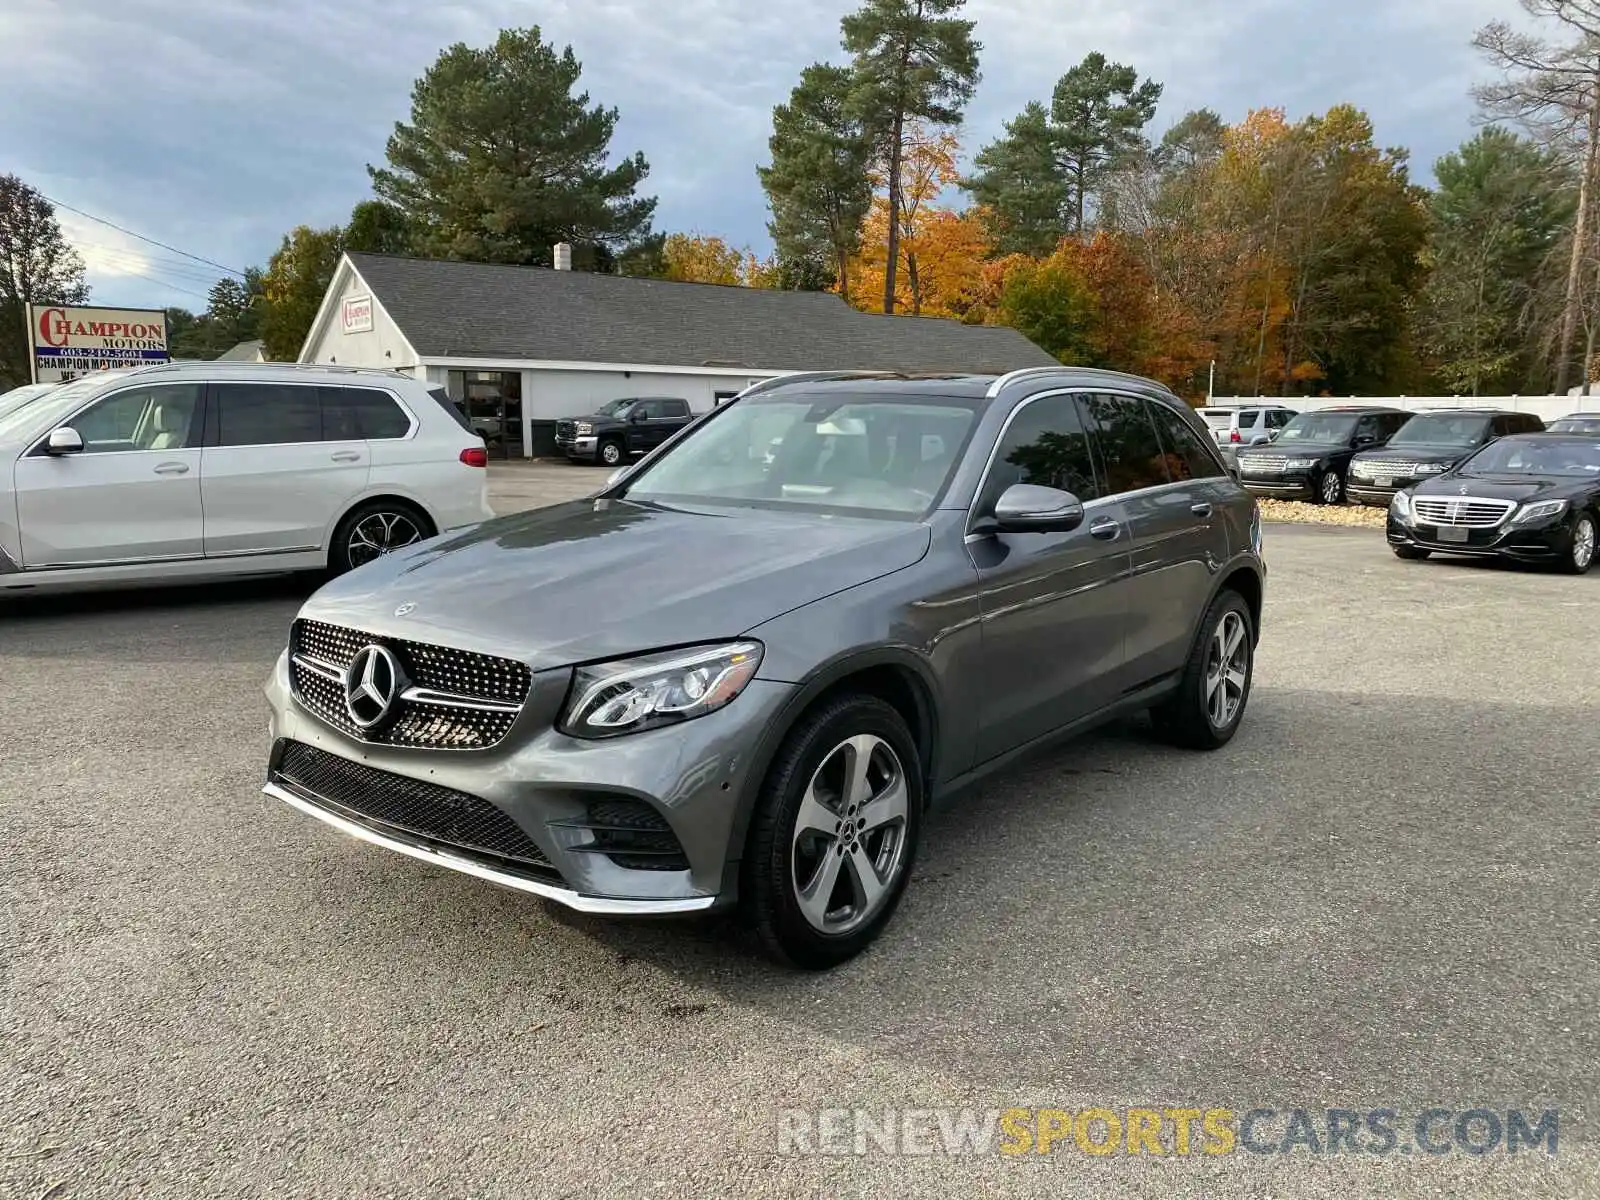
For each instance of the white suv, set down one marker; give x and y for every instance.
(1246, 425)
(188, 471)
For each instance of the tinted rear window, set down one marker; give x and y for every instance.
(266, 414)
(350, 412)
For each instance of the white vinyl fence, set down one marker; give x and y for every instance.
(1547, 408)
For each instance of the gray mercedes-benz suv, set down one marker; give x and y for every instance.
(740, 674)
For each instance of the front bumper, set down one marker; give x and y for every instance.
(1540, 541)
(1293, 485)
(690, 779)
(579, 447)
(1364, 491)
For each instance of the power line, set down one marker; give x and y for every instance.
(142, 238)
(122, 256)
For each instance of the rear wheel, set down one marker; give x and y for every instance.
(1580, 547)
(376, 529)
(834, 834)
(1204, 713)
(1411, 553)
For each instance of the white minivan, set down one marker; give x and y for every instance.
(187, 471)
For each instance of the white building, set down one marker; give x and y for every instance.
(521, 347)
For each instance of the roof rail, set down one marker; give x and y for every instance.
(1011, 377)
(209, 364)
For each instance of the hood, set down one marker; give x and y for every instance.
(1421, 452)
(595, 579)
(1520, 488)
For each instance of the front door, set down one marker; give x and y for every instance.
(131, 495)
(271, 478)
(1054, 604)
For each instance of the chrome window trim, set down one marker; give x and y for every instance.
(1078, 390)
(416, 423)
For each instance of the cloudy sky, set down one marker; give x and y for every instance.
(215, 125)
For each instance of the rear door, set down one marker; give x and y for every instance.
(131, 495)
(271, 482)
(1054, 604)
(1173, 495)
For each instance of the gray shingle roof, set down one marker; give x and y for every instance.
(483, 310)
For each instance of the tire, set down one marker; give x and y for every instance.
(1188, 717)
(783, 861)
(1411, 553)
(1330, 487)
(1579, 556)
(609, 454)
(373, 530)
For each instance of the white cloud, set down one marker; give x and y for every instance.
(216, 127)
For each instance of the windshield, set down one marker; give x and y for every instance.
(1547, 456)
(1441, 429)
(56, 402)
(1319, 427)
(615, 408)
(1564, 425)
(884, 455)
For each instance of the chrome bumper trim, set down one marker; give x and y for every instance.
(601, 905)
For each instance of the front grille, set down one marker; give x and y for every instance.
(565, 431)
(1465, 510)
(1384, 470)
(396, 804)
(632, 835)
(474, 702)
(1267, 464)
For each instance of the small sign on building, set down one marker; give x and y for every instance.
(356, 314)
(71, 341)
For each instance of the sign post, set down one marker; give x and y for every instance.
(68, 341)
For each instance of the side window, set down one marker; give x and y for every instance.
(1130, 450)
(1530, 423)
(141, 418)
(675, 408)
(1248, 418)
(1370, 426)
(266, 414)
(1187, 457)
(1043, 445)
(349, 412)
(1397, 422)
(1279, 417)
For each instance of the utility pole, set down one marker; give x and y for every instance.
(1211, 381)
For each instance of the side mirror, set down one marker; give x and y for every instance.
(65, 440)
(1273, 436)
(1366, 439)
(1028, 508)
(637, 416)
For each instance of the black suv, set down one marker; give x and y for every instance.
(622, 429)
(1428, 445)
(1309, 458)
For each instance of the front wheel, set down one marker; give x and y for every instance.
(1330, 488)
(835, 833)
(610, 453)
(374, 530)
(1204, 713)
(1580, 547)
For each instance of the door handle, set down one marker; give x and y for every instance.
(1105, 529)
(347, 456)
(1203, 509)
(173, 469)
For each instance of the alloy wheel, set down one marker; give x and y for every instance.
(610, 454)
(1583, 544)
(849, 838)
(1227, 670)
(1332, 488)
(379, 534)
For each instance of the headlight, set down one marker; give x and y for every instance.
(1300, 464)
(613, 698)
(1432, 468)
(1400, 506)
(583, 427)
(1539, 510)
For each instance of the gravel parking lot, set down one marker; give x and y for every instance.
(1382, 894)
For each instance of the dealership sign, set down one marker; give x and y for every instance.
(356, 314)
(68, 342)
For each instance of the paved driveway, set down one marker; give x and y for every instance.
(1382, 895)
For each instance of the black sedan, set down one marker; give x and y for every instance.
(1531, 497)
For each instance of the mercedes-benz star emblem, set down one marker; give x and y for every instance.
(405, 608)
(372, 683)
(1462, 490)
